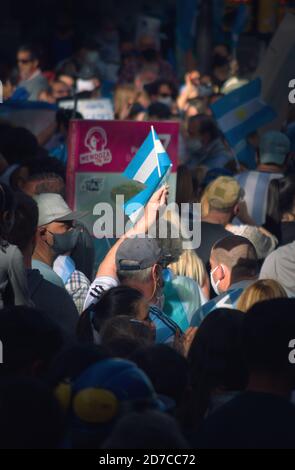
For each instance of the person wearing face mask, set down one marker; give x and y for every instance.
(234, 266)
(165, 93)
(57, 237)
(13, 283)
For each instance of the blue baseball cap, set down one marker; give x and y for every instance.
(274, 147)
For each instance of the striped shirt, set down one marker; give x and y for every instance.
(165, 327)
(227, 300)
(256, 184)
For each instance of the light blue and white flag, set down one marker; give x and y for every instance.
(150, 166)
(241, 112)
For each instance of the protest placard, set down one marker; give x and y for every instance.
(101, 109)
(99, 152)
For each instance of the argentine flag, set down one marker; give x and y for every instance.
(241, 112)
(149, 166)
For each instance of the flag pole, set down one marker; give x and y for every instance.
(154, 140)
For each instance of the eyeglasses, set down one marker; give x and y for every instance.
(23, 61)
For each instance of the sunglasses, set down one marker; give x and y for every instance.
(24, 61)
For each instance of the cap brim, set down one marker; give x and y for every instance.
(75, 215)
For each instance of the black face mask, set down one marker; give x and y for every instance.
(150, 54)
(65, 242)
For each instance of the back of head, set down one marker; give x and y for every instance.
(162, 364)
(30, 341)
(268, 328)
(84, 251)
(238, 255)
(147, 430)
(25, 223)
(264, 289)
(184, 188)
(123, 326)
(18, 145)
(274, 148)
(215, 357)
(30, 416)
(7, 209)
(223, 194)
(121, 300)
(72, 361)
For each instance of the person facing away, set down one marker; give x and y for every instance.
(224, 199)
(13, 283)
(234, 266)
(273, 152)
(262, 417)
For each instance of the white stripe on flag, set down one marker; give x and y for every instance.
(159, 146)
(147, 167)
(250, 191)
(239, 115)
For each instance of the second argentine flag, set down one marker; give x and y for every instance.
(241, 112)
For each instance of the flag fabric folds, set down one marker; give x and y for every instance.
(149, 166)
(241, 112)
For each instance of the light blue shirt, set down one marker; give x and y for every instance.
(48, 273)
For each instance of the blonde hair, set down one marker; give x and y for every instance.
(124, 97)
(264, 289)
(190, 265)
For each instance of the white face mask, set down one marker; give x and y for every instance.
(214, 283)
(167, 100)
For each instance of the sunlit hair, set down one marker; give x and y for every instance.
(190, 265)
(265, 289)
(124, 97)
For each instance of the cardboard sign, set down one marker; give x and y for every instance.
(101, 109)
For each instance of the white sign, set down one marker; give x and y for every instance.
(100, 109)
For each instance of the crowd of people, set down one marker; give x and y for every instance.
(158, 347)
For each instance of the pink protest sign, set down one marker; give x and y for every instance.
(103, 149)
(99, 152)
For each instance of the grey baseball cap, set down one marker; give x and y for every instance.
(53, 208)
(138, 253)
(274, 147)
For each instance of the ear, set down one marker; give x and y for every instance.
(224, 271)
(42, 232)
(220, 272)
(155, 272)
(236, 209)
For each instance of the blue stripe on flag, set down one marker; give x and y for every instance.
(251, 124)
(140, 157)
(237, 98)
